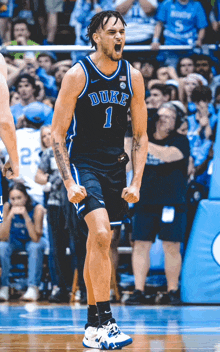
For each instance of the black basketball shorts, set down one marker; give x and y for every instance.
(147, 223)
(104, 190)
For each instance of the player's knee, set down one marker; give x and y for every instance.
(103, 239)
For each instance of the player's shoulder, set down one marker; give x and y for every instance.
(136, 77)
(3, 68)
(74, 79)
(75, 72)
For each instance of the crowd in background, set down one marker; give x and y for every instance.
(189, 81)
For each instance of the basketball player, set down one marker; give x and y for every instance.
(91, 110)
(7, 131)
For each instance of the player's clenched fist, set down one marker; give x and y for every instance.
(10, 171)
(131, 194)
(76, 193)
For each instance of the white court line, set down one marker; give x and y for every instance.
(134, 329)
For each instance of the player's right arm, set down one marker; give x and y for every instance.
(72, 85)
(7, 127)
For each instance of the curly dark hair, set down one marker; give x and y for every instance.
(100, 20)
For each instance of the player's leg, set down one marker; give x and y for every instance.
(97, 274)
(91, 333)
(99, 241)
(109, 335)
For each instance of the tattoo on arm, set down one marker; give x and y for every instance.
(136, 144)
(62, 158)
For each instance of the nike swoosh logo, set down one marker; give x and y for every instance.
(95, 80)
(107, 312)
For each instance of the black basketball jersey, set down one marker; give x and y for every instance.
(96, 135)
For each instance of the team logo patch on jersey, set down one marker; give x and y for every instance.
(123, 85)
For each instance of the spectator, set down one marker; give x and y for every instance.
(5, 22)
(214, 18)
(184, 20)
(53, 7)
(60, 236)
(50, 102)
(137, 64)
(161, 209)
(148, 69)
(217, 100)
(184, 127)
(9, 59)
(201, 125)
(139, 16)
(164, 73)
(31, 70)
(49, 177)
(22, 230)
(203, 66)
(21, 36)
(159, 94)
(185, 66)
(46, 61)
(14, 98)
(173, 85)
(186, 87)
(28, 90)
(42, 178)
(29, 146)
(59, 74)
(83, 11)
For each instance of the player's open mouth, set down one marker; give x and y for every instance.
(117, 48)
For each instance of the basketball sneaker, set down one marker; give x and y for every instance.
(110, 337)
(90, 339)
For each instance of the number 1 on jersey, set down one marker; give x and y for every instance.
(108, 122)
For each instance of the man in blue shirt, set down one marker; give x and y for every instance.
(44, 72)
(28, 90)
(184, 20)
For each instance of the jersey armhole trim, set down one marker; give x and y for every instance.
(87, 79)
(129, 78)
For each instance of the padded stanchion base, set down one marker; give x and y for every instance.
(200, 279)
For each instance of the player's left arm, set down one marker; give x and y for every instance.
(7, 127)
(140, 139)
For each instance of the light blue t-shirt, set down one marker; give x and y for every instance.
(82, 14)
(140, 26)
(17, 110)
(182, 22)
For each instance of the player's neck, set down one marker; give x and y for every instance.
(104, 64)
